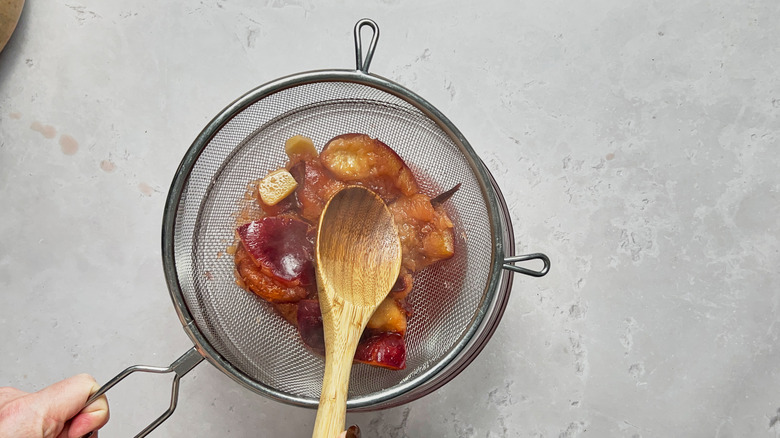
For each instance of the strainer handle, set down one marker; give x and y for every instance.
(508, 264)
(362, 64)
(180, 366)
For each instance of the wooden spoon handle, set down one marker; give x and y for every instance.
(347, 324)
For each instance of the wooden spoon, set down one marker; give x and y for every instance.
(358, 256)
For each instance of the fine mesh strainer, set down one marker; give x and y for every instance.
(457, 303)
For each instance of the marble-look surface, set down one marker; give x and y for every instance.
(636, 143)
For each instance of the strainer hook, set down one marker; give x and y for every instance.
(180, 367)
(508, 264)
(362, 64)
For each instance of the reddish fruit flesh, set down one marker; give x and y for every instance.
(310, 325)
(281, 248)
(287, 205)
(402, 287)
(386, 350)
(315, 187)
(262, 285)
(288, 311)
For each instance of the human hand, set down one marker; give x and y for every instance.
(56, 411)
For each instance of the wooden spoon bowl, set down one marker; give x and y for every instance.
(358, 257)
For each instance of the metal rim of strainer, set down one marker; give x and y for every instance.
(471, 342)
(499, 230)
(202, 141)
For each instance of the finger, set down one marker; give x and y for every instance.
(90, 419)
(63, 400)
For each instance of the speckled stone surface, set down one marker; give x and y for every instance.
(636, 144)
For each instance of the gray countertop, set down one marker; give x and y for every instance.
(636, 144)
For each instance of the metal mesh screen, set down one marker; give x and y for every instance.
(241, 327)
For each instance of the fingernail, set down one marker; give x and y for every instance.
(353, 432)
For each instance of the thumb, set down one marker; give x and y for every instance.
(61, 401)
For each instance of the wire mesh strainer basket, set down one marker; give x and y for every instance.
(457, 302)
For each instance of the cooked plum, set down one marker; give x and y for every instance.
(281, 247)
(315, 187)
(425, 231)
(390, 316)
(274, 255)
(402, 287)
(387, 350)
(288, 311)
(384, 349)
(310, 325)
(286, 205)
(360, 159)
(260, 284)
